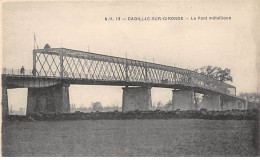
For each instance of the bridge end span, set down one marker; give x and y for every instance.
(5, 110)
(229, 104)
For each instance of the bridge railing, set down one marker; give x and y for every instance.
(16, 72)
(25, 72)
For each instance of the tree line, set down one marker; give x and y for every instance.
(218, 73)
(224, 75)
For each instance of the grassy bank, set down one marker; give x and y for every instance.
(252, 114)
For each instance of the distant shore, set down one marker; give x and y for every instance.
(252, 114)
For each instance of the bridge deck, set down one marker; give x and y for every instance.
(27, 81)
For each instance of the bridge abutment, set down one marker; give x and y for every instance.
(136, 98)
(244, 105)
(211, 102)
(48, 99)
(183, 99)
(230, 104)
(235, 104)
(5, 110)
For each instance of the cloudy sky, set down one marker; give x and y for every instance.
(188, 44)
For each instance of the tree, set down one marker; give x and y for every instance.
(168, 106)
(208, 71)
(224, 75)
(159, 104)
(252, 97)
(47, 46)
(72, 107)
(197, 100)
(96, 106)
(216, 72)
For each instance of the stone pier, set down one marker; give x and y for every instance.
(244, 105)
(183, 99)
(48, 99)
(211, 102)
(234, 104)
(136, 98)
(5, 111)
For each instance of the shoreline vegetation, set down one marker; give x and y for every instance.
(235, 114)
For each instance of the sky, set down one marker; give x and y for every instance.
(187, 44)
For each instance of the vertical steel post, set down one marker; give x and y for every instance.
(61, 63)
(146, 70)
(126, 71)
(34, 63)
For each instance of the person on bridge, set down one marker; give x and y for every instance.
(34, 71)
(22, 70)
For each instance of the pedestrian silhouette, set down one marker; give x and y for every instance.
(22, 70)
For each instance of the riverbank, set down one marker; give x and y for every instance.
(118, 138)
(252, 114)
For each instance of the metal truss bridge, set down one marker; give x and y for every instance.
(78, 67)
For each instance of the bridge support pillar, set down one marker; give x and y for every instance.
(136, 98)
(48, 99)
(233, 104)
(211, 102)
(244, 105)
(183, 99)
(5, 111)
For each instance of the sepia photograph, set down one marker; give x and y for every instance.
(113, 78)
